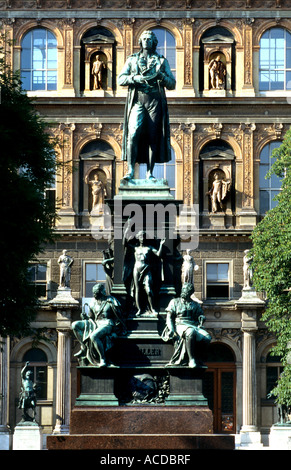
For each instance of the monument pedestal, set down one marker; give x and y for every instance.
(27, 436)
(138, 401)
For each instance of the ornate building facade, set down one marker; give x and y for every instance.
(230, 108)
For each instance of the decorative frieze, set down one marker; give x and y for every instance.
(188, 52)
(145, 5)
(67, 147)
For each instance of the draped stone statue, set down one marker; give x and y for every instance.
(218, 192)
(217, 72)
(97, 72)
(66, 262)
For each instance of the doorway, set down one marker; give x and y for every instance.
(219, 387)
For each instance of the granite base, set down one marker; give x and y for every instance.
(141, 420)
(141, 427)
(141, 442)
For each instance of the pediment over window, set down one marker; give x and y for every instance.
(218, 38)
(98, 39)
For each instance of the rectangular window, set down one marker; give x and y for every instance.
(217, 281)
(94, 273)
(37, 275)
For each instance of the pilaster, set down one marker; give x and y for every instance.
(65, 182)
(188, 55)
(68, 88)
(248, 216)
(248, 86)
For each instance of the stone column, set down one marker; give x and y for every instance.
(249, 380)
(250, 436)
(5, 433)
(63, 395)
(64, 303)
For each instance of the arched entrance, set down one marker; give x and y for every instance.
(219, 387)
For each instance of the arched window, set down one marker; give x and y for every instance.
(163, 171)
(38, 365)
(166, 47)
(275, 60)
(39, 60)
(270, 187)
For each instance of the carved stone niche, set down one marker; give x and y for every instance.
(217, 162)
(217, 78)
(102, 46)
(96, 162)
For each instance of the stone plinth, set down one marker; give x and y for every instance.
(280, 437)
(27, 436)
(249, 296)
(64, 299)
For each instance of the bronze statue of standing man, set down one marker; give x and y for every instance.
(146, 133)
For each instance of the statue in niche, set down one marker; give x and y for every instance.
(218, 192)
(66, 262)
(99, 192)
(217, 71)
(142, 271)
(98, 69)
(188, 268)
(27, 397)
(247, 270)
(96, 330)
(146, 132)
(184, 326)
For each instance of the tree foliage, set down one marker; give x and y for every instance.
(272, 262)
(27, 168)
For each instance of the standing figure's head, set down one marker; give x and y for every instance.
(148, 40)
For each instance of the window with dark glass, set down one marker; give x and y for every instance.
(39, 60)
(94, 272)
(166, 47)
(217, 280)
(37, 275)
(275, 60)
(270, 187)
(38, 365)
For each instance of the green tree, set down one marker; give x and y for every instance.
(27, 168)
(272, 262)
